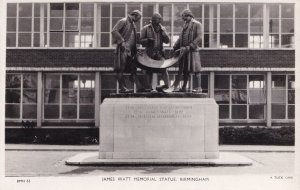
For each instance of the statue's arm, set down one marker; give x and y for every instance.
(198, 34)
(116, 31)
(165, 37)
(143, 37)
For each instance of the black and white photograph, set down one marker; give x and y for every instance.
(146, 94)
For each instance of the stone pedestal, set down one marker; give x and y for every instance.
(159, 128)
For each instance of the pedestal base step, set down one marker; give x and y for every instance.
(91, 159)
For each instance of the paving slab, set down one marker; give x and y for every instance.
(91, 159)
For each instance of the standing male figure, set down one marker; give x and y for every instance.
(188, 46)
(152, 37)
(124, 35)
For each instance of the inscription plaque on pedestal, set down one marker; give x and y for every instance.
(158, 128)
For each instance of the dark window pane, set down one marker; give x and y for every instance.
(241, 10)
(226, 11)
(72, 9)
(239, 81)
(206, 40)
(56, 24)
(223, 112)
(56, 39)
(287, 26)
(72, 39)
(256, 11)
(105, 10)
(133, 6)
(52, 96)
(241, 40)
(13, 81)
(278, 96)
(87, 96)
(25, 24)
(226, 40)
(25, 10)
(287, 41)
(291, 81)
(222, 96)
(291, 112)
(196, 10)
(105, 40)
(206, 25)
(29, 111)
(256, 111)
(222, 81)
(148, 10)
(257, 96)
(278, 81)
(86, 112)
(11, 9)
(241, 25)
(71, 24)
(36, 24)
(239, 112)
(104, 25)
(239, 96)
(256, 25)
(226, 25)
(278, 111)
(52, 81)
(11, 25)
(291, 97)
(274, 11)
(29, 96)
(11, 39)
(13, 96)
(70, 81)
(87, 25)
(108, 82)
(69, 111)
(12, 111)
(87, 10)
(37, 7)
(287, 11)
(69, 96)
(36, 40)
(24, 39)
(118, 10)
(56, 9)
(51, 112)
(274, 25)
(29, 81)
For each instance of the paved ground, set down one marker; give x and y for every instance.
(44, 160)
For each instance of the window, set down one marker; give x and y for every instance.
(108, 85)
(225, 25)
(69, 96)
(283, 97)
(21, 96)
(240, 96)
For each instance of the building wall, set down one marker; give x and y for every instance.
(60, 56)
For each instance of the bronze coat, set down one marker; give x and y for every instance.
(191, 62)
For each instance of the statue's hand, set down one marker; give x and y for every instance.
(150, 40)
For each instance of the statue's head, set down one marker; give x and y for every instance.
(156, 19)
(187, 15)
(136, 15)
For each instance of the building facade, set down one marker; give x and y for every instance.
(59, 59)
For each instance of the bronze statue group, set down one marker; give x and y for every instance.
(152, 37)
